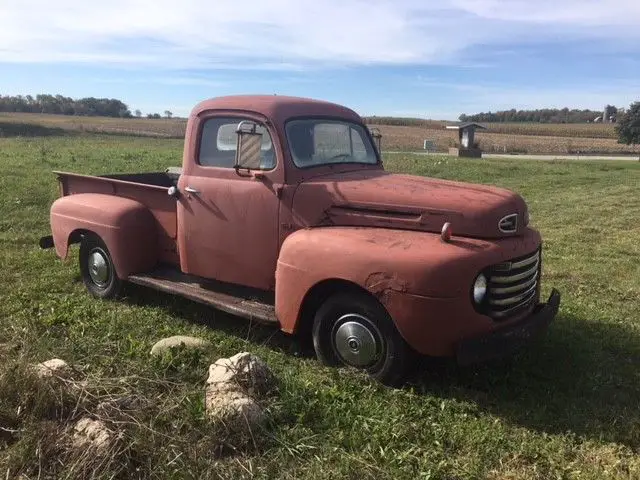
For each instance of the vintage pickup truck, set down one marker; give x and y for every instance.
(282, 212)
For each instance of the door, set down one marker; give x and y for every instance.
(228, 220)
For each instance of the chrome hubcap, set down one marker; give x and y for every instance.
(357, 340)
(98, 268)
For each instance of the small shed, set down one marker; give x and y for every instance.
(466, 137)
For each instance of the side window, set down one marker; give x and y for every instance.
(219, 140)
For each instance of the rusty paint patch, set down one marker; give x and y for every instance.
(380, 283)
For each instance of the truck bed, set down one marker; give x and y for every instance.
(159, 179)
(148, 188)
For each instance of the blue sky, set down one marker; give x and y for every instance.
(398, 57)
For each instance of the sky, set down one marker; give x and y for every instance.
(417, 58)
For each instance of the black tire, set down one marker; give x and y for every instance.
(100, 278)
(334, 325)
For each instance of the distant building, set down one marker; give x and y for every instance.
(466, 136)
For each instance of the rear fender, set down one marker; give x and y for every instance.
(126, 226)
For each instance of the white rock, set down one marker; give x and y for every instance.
(89, 433)
(232, 407)
(54, 368)
(244, 369)
(232, 388)
(167, 343)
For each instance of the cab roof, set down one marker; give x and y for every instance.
(276, 108)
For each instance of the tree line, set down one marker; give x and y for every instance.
(402, 121)
(61, 105)
(545, 115)
(58, 104)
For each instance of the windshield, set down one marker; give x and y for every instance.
(315, 141)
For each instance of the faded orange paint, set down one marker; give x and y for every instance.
(288, 230)
(126, 226)
(375, 198)
(404, 269)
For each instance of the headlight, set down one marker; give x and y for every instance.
(479, 288)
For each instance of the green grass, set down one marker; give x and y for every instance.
(569, 407)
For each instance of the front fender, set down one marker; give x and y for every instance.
(126, 226)
(384, 261)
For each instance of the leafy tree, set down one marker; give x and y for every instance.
(628, 126)
(138, 113)
(168, 113)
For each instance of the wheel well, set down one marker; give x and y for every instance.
(316, 297)
(77, 235)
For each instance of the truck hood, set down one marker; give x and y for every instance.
(375, 198)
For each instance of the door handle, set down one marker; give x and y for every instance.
(191, 190)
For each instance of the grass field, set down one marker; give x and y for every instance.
(31, 124)
(500, 137)
(567, 408)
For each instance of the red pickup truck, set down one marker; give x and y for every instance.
(282, 212)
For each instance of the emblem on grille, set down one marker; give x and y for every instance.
(508, 224)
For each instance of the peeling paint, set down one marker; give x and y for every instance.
(378, 283)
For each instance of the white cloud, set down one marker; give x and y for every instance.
(580, 13)
(288, 34)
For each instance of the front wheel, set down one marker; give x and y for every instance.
(98, 273)
(354, 329)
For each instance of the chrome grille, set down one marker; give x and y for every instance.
(513, 286)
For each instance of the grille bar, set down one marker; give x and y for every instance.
(516, 299)
(513, 310)
(515, 278)
(512, 286)
(525, 262)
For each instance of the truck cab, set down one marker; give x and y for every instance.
(282, 212)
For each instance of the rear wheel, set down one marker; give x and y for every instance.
(98, 273)
(354, 329)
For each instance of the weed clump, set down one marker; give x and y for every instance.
(124, 427)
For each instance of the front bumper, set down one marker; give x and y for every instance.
(507, 340)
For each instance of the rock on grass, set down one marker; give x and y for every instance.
(244, 369)
(93, 434)
(233, 389)
(168, 343)
(54, 368)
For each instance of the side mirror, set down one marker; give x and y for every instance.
(377, 138)
(248, 152)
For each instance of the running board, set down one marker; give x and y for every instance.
(236, 300)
